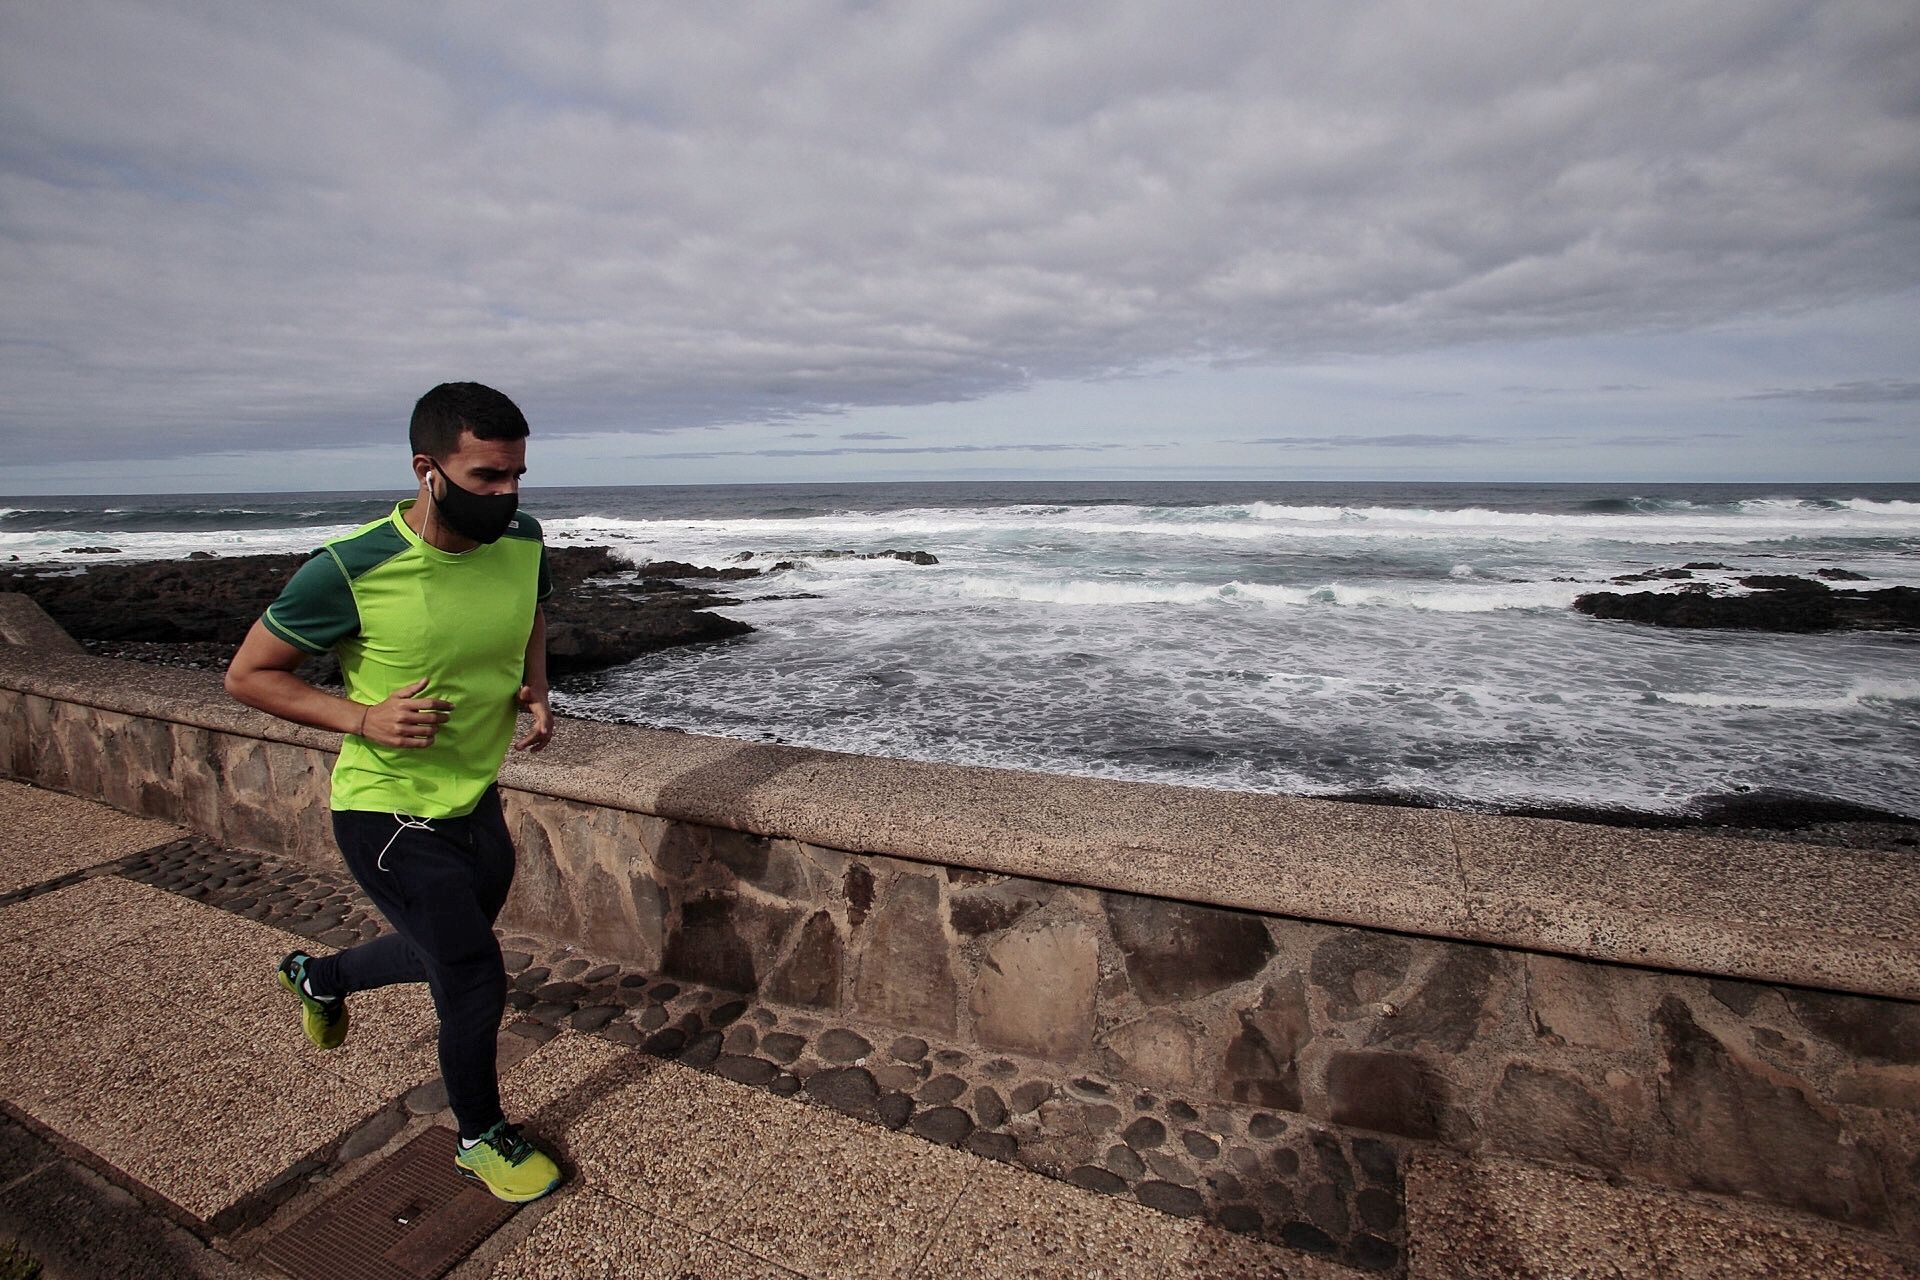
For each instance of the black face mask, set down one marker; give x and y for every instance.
(480, 516)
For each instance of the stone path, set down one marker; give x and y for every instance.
(1281, 1178)
(143, 1034)
(145, 1049)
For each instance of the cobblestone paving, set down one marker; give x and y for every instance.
(1278, 1177)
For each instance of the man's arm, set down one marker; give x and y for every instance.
(262, 676)
(533, 688)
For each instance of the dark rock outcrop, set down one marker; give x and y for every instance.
(1777, 603)
(194, 612)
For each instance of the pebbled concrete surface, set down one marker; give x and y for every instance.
(44, 835)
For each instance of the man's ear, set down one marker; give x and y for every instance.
(422, 467)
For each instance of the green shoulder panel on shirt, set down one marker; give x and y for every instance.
(317, 610)
(527, 528)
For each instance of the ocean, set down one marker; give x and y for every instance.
(1413, 641)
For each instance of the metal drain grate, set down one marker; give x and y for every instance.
(412, 1218)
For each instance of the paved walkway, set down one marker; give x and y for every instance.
(144, 1037)
(167, 1119)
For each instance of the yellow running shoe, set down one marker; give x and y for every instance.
(324, 1021)
(508, 1165)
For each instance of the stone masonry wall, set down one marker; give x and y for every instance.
(1798, 1098)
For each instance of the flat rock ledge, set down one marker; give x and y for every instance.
(1776, 603)
(194, 612)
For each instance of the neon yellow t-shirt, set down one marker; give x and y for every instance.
(394, 608)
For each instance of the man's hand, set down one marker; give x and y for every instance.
(405, 719)
(534, 699)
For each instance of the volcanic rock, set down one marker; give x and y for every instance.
(1778, 603)
(200, 610)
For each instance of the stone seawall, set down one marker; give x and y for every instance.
(1385, 986)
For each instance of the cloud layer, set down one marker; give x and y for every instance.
(226, 227)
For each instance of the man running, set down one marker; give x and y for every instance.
(434, 613)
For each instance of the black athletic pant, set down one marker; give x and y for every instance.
(440, 883)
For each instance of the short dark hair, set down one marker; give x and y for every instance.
(453, 407)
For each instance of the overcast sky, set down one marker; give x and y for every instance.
(809, 241)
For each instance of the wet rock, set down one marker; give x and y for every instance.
(1199, 1145)
(1144, 1133)
(1327, 1207)
(1378, 1161)
(898, 1075)
(1026, 1097)
(558, 991)
(857, 888)
(1779, 603)
(989, 1107)
(1125, 1161)
(908, 1049)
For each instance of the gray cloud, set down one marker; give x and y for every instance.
(1669, 440)
(224, 227)
(1411, 440)
(850, 452)
(1886, 391)
(870, 435)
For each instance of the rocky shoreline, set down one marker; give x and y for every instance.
(606, 612)
(194, 612)
(1773, 602)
